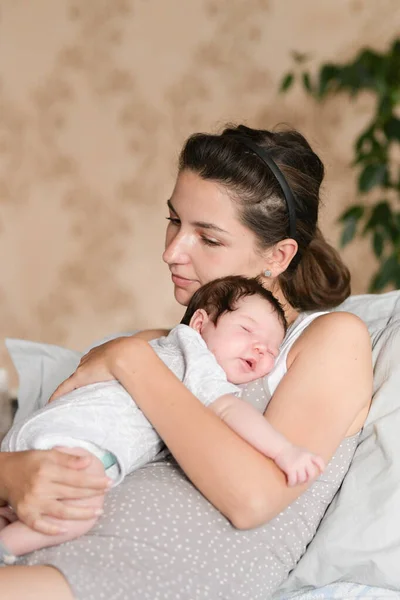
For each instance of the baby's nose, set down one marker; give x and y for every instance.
(260, 348)
(259, 351)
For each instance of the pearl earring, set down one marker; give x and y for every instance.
(267, 273)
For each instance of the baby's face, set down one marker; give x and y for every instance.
(246, 341)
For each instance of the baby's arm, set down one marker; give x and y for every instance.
(299, 465)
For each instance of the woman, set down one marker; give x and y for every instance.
(220, 521)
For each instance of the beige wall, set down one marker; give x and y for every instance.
(96, 97)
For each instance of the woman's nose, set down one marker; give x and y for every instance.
(177, 249)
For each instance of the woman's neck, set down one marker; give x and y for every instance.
(291, 313)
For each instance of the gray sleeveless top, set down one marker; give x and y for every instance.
(160, 539)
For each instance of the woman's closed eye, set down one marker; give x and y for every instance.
(206, 240)
(210, 242)
(173, 220)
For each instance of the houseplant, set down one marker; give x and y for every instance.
(375, 149)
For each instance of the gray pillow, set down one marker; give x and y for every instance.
(358, 539)
(41, 368)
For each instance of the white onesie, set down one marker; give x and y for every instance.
(104, 419)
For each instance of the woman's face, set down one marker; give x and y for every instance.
(205, 239)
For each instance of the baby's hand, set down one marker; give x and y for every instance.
(299, 465)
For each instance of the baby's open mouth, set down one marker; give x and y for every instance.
(250, 362)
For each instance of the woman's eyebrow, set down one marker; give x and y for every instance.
(171, 208)
(201, 224)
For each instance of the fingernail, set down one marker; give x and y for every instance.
(98, 512)
(110, 483)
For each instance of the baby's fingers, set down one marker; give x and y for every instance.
(314, 467)
(319, 463)
(302, 475)
(292, 477)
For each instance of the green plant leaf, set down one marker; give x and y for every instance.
(348, 232)
(354, 212)
(328, 76)
(378, 242)
(385, 108)
(392, 129)
(378, 72)
(350, 219)
(369, 70)
(381, 214)
(396, 224)
(287, 82)
(389, 272)
(371, 176)
(307, 82)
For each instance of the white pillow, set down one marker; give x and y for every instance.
(358, 539)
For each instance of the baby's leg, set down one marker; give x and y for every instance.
(19, 539)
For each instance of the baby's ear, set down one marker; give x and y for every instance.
(198, 320)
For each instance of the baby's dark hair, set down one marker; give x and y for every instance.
(222, 295)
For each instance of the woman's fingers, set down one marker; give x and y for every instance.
(65, 511)
(55, 510)
(81, 487)
(73, 472)
(40, 525)
(65, 387)
(37, 481)
(67, 458)
(96, 365)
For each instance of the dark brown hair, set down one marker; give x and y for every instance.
(223, 295)
(317, 277)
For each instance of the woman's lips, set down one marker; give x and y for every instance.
(181, 281)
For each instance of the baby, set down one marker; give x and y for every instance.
(229, 335)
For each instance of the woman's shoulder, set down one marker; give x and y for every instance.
(336, 331)
(337, 322)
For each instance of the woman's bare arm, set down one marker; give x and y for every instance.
(326, 391)
(33, 583)
(151, 334)
(327, 387)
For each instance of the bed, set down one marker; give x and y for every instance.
(356, 550)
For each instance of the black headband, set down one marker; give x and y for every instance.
(287, 192)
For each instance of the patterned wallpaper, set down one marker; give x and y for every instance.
(96, 98)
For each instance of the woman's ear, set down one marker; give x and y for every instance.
(281, 255)
(199, 319)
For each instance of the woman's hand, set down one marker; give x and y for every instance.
(33, 481)
(97, 365)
